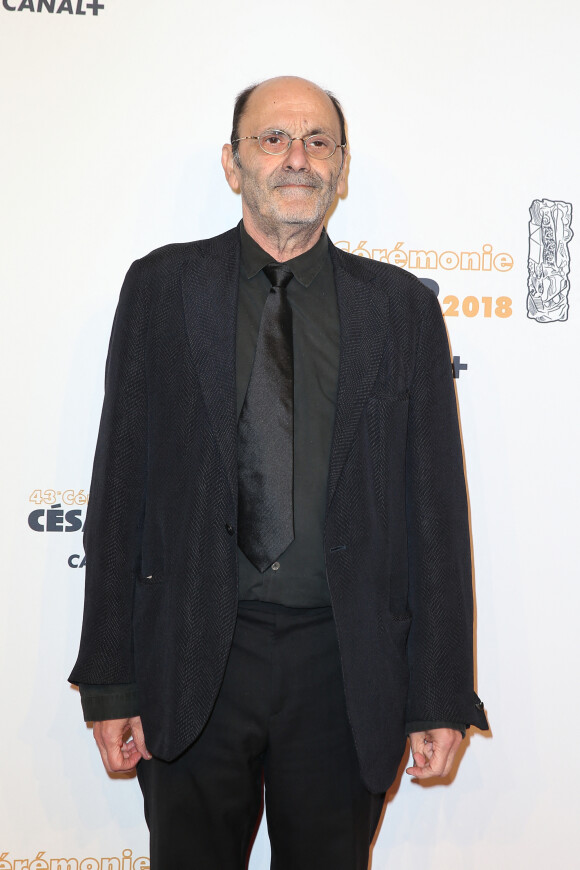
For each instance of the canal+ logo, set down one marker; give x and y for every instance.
(58, 7)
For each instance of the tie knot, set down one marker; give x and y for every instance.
(278, 275)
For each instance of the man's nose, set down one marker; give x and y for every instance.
(296, 156)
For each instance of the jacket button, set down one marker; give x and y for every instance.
(229, 529)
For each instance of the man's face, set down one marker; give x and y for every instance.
(291, 189)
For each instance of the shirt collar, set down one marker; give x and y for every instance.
(305, 267)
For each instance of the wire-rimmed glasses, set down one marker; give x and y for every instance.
(321, 146)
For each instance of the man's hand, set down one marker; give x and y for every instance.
(433, 752)
(121, 743)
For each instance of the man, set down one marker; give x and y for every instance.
(278, 560)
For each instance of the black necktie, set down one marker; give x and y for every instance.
(266, 434)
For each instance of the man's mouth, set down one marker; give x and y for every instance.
(296, 181)
(296, 184)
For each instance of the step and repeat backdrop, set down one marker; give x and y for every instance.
(464, 139)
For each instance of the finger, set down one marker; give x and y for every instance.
(438, 765)
(139, 738)
(129, 750)
(420, 752)
(419, 763)
(417, 742)
(422, 772)
(109, 737)
(444, 753)
(117, 761)
(449, 761)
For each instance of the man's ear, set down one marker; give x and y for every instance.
(230, 168)
(342, 178)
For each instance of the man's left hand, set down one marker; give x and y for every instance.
(433, 752)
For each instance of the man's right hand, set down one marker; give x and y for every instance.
(121, 743)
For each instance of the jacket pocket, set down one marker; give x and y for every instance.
(399, 632)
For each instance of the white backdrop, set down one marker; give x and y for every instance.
(460, 115)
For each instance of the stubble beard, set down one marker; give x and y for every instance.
(273, 210)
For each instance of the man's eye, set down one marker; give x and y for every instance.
(318, 143)
(272, 139)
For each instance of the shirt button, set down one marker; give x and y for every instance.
(229, 529)
(275, 566)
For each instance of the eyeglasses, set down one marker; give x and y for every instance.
(319, 145)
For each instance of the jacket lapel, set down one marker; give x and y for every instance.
(363, 316)
(210, 293)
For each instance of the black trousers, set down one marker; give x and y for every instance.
(280, 718)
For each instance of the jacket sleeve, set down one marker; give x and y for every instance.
(114, 516)
(440, 644)
(108, 701)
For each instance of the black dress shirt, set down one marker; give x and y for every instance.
(298, 577)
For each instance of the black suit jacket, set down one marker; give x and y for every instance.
(160, 541)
